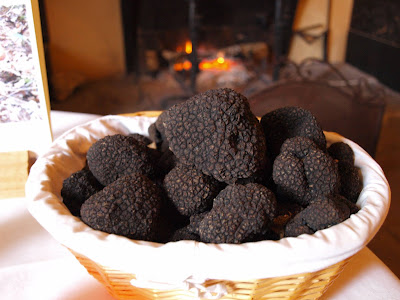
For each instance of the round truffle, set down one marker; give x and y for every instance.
(217, 133)
(78, 187)
(303, 172)
(240, 213)
(115, 156)
(157, 132)
(325, 212)
(322, 213)
(183, 234)
(191, 191)
(351, 182)
(141, 138)
(296, 227)
(130, 206)
(288, 122)
(342, 152)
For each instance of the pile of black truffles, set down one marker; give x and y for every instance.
(211, 171)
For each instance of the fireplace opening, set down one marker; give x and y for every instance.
(226, 43)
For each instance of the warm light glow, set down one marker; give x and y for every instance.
(188, 47)
(185, 65)
(219, 63)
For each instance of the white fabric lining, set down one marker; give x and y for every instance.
(176, 261)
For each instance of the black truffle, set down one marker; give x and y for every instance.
(303, 172)
(217, 133)
(157, 132)
(240, 213)
(350, 176)
(350, 204)
(141, 138)
(288, 122)
(183, 234)
(325, 212)
(130, 206)
(115, 156)
(78, 187)
(322, 213)
(191, 191)
(342, 152)
(296, 227)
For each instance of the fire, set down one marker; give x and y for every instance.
(218, 64)
(188, 47)
(185, 65)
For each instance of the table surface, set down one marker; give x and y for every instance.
(35, 266)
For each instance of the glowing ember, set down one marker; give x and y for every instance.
(218, 64)
(188, 47)
(185, 65)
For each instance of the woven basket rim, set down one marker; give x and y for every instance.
(43, 198)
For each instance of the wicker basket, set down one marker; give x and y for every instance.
(45, 199)
(305, 286)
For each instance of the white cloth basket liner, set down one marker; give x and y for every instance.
(177, 261)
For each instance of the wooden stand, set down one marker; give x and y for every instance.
(14, 168)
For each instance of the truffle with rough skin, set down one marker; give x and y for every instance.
(325, 212)
(342, 152)
(303, 172)
(78, 187)
(350, 176)
(166, 162)
(217, 133)
(296, 227)
(191, 191)
(141, 138)
(184, 234)
(157, 132)
(240, 213)
(115, 156)
(322, 213)
(129, 206)
(287, 122)
(350, 204)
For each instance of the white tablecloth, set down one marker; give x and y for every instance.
(34, 266)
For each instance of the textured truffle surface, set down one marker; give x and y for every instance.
(117, 155)
(303, 172)
(296, 227)
(240, 213)
(130, 206)
(157, 132)
(141, 138)
(342, 152)
(183, 234)
(77, 188)
(351, 182)
(217, 132)
(288, 122)
(191, 191)
(322, 213)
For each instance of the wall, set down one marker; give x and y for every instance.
(85, 38)
(311, 12)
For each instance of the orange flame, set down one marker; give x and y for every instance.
(188, 47)
(220, 63)
(185, 65)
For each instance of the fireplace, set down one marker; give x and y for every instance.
(194, 39)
